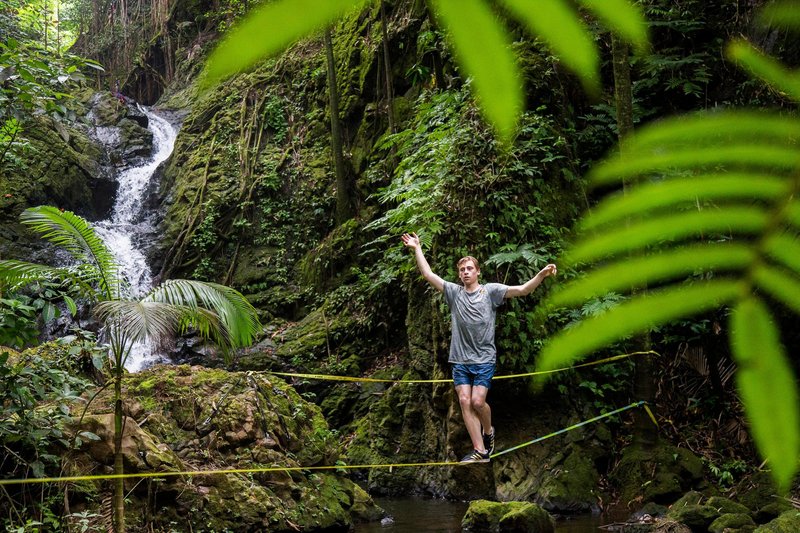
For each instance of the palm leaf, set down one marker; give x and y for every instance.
(762, 66)
(780, 284)
(237, 316)
(75, 235)
(14, 274)
(484, 49)
(625, 18)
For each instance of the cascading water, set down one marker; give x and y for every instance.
(120, 231)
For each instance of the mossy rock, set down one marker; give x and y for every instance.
(788, 522)
(727, 506)
(660, 474)
(698, 517)
(486, 516)
(732, 523)
(572, 486)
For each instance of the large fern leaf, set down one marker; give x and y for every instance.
(710, 220)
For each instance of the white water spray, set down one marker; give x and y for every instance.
(120, 231)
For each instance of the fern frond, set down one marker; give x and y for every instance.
(662, 195)
(780, 284)
(766, 384)
(637, 272)
(656, 230)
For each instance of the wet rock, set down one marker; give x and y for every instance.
(732, 523)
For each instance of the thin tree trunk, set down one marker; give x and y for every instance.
(643, 387)
(119, 483)
(387, 68)
(344, 204)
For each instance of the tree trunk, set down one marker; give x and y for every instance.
(645, 432)
(387, 67)
(119, 483)
(344, 203)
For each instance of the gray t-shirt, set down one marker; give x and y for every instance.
(473, 317)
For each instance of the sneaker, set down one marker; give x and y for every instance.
(476, 457)
(488, 441)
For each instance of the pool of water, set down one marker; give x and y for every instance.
(417, 515)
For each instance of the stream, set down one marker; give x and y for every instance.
(418, 515)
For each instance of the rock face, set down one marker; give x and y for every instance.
(195, 419)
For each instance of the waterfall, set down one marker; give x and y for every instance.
(121, 230)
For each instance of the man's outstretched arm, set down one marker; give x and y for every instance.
(531, 284)
(412, 241)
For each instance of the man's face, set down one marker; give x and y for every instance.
(467, 272)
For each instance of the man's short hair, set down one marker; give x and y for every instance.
(468, 258)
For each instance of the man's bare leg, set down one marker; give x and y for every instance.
(482, 409)
(471, 418)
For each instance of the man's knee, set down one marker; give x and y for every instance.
(478, 403)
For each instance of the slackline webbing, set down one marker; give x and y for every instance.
(318, 467)
(329, 377)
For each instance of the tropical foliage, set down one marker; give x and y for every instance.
(213, 310)
(481, 41)
(709, 218)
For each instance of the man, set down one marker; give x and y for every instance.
(472, 350)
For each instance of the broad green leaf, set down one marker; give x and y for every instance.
(784, 248)
(765, 67)
(561, 28)
(269, 29)
(628, 273)
(747, 155)
(780, 284)
(653, 230)
(793, 213)
(73, 308)
(767, 386)
(49, 312)
(623, 17)
(647, 197)
(634, 316)
(482, 46)
(781, 14)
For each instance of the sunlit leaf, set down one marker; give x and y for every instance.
(792, 213)
(766, 384)
(623, 17)
(641, 233)
(269, 29)
(634, 272)
(634, 316)
(649, 197)
(483, 48)
(765, 67)
(561, 28)
(780, 284)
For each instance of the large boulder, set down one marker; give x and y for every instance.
(271, 451)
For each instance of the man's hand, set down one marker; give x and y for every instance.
(411, 240)
(549, 270)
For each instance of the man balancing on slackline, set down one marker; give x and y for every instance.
(472, 351)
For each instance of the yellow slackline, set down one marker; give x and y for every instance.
(301, 468)
(328, 377)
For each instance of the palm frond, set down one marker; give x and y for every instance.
(140, 321)
(75, 235)
(14, 274)
(236, 315)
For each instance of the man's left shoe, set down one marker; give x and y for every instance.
(488, 441)
(476, 457)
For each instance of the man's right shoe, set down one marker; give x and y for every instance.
(488, 441)
(476, 457)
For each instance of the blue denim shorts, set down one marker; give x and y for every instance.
(479, 374)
